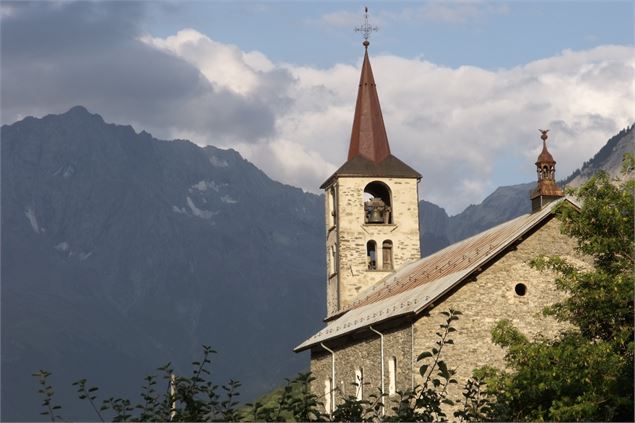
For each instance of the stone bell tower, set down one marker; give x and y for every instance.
(546, 190)
(372, 205)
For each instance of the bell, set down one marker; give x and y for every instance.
(376, 216)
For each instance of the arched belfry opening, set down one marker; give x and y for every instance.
(547, 173)
(377, 204)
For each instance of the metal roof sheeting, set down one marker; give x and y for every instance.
(416, 285)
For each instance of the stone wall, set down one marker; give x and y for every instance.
(331, 220)
(364, 351)
(351, 234)
(492, 297)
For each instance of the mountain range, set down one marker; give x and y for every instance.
(121, 252)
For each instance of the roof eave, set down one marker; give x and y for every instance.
(303, 347)
(360, 167)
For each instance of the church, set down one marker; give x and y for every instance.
(384, 302)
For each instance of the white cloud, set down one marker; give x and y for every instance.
(224, 65)
(7, 10)
(466, 129)
(454, 125)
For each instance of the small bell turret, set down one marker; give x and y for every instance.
(546, 190)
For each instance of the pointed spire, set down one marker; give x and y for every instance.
(368, 137)
(546, 190)
(369, 152)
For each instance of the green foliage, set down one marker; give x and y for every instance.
(194, 398)
(294, 402)
(587, 373)
(476, 402)
(47, 392)
(604, 225)
(352, 409)
(304, 406)
(90, 394)
(191, 398)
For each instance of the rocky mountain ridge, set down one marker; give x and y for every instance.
(121, 252)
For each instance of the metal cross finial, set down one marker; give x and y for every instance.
(366, 28)
(544, 135)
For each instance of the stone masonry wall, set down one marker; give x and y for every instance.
(331, 220)
(364, 353)
(353, 234)
(483, 302)
(491, 297)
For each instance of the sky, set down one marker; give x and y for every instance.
(464, 85)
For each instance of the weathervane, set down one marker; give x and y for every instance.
(366, 28)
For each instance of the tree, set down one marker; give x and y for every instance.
(586, 374)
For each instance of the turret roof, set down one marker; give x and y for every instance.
(545, 156)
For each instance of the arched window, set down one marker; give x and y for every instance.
(392, 376)
(386, 253)
(333, 260)
(377, 204)
(371, 255)
(332, 217)
(359, 380)
(328, 394)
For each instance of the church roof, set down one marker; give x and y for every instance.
(369, 151)
(417, 285)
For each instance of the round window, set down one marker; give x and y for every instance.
(520, 289)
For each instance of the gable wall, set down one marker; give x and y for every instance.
(483, 302)
(491, 297)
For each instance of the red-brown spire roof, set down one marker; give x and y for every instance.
(368, 137)
(369, 153)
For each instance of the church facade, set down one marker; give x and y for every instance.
(384, 302)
